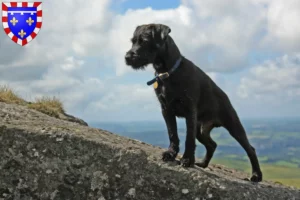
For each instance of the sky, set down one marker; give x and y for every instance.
(250, 48)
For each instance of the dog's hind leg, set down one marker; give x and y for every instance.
(203, 136)
(236, 130)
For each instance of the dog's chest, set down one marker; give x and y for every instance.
(171, 98)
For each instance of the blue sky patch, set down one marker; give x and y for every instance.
(123, 6)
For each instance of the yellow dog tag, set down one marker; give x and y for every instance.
(155, 84)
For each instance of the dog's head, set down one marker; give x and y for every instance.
(147, 40)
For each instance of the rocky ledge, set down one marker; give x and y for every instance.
(47, 158)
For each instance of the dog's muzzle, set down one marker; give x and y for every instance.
(129, 56)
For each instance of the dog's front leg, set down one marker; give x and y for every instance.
(170, 120)
(188, 158)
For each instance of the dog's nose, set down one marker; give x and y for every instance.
(128, 55)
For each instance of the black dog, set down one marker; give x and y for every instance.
(184, 90)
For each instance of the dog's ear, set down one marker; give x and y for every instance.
(160, 33)
(165, 30)
(138, 27)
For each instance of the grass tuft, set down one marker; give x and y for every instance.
(7, 95)
(47, 105)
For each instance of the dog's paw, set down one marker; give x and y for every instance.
(256, 177)
(169, 155)
(187, 162)
(201, 164)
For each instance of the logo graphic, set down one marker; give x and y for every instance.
(22, 20)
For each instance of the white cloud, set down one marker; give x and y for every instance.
(277, 80)
(66, 24)
(283, 25)
(213, 40)
(217, 35)
(124, 26)
(71, 64)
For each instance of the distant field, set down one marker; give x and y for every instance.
(277, 173)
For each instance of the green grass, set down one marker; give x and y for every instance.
(291, 182)
(295, 160)
(286, 164)
(226, 142)
(287, 174)
(232, 156)
(235, 164)
(263, 158)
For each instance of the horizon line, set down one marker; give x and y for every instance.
(182, 119)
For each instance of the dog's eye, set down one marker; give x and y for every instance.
(141, 40)
(132, 40)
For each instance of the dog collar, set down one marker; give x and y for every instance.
(165, 75)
